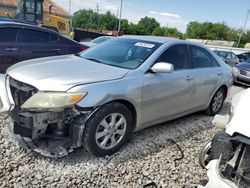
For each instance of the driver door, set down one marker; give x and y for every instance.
(166, 95)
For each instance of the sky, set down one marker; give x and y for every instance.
(171, 13)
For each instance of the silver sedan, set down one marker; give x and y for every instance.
(96, 99)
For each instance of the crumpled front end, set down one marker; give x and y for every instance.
(215, 178)
(229, 155)
(51, 132)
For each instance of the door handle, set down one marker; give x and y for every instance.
(219, 74)
(188, 78)
(11, 49)
(57, 50)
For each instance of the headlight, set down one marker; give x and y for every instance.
(53, 100)
(235, 70)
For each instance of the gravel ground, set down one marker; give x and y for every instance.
(149, 156)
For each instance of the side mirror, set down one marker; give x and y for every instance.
(162, 67)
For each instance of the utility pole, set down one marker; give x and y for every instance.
(98, 20)
(117, 20)
(119, 25)
(70, 5)
(242, 30)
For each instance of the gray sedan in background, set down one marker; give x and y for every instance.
(96, 99)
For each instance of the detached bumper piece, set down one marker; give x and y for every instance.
(215, 179)
(52, 134)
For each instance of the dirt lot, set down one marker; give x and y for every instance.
(149, 156)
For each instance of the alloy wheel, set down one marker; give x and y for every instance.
(111, 131)
(217, 101)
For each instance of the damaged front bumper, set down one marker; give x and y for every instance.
(52, 134)
(215, 178)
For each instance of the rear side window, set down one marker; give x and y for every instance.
(33, 36)
(176, 55)
(8, 34)
(201, 58)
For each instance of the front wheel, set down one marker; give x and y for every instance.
(205, 155)
(216, 102)
(108, 129)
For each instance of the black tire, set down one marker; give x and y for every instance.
(211, 111)
(93, 124)
(205, 155)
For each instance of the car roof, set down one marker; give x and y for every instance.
(151, 38)
(16, 23)
(223, 51)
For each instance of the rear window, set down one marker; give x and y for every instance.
(8, 34)
(33, 36)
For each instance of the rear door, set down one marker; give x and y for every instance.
(206, 74)
(9, 48)
(36, 44)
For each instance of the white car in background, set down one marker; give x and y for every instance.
(96, 41)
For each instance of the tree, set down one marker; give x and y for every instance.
(125, 26)
(147, 25)
(173, 32)
(211, 31)
(159, 31)
(108, 21)
(85, 19)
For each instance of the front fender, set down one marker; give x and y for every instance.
(128, 89)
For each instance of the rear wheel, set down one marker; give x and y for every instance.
(216, 102)
(108, 129)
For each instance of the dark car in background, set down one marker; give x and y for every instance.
(244, 56)
(229, 57)
(241, 73)
(19, 41)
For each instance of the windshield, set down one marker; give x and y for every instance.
(124, 53)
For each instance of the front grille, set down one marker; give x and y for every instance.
(21, 92)
(245, 72)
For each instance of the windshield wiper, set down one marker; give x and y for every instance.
(93, 59)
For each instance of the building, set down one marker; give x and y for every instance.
(9, 6)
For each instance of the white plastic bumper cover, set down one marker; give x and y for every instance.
(215, 179)
(4, 101)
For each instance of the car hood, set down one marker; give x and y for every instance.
(61, 73)
(243, 65)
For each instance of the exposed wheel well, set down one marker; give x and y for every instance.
(131, 108)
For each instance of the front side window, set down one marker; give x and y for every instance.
(201, 58)
(124, 53)
(33, 36)
(8, 34)
(176, 55)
